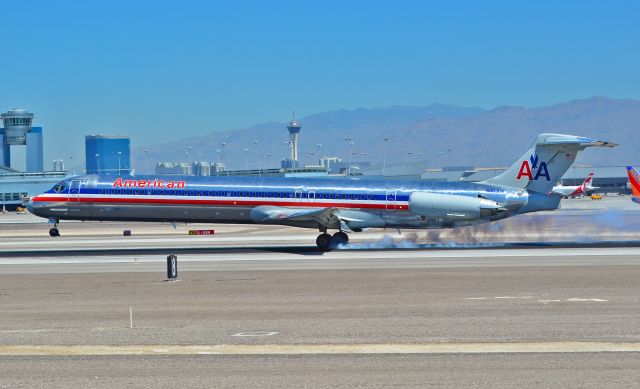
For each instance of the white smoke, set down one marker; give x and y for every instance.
(591, 227)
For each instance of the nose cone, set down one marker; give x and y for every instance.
(30, 205)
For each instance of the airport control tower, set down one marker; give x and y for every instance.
(17, 131)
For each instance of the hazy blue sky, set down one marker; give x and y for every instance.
(160, 70)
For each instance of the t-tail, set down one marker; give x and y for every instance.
(545, 162)
(634, 181)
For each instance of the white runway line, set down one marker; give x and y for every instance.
(581, 300)
(543, 254)
(315, 349)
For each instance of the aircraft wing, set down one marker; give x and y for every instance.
(270, 214)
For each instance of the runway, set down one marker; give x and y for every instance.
(483, 325)
(262, 307)
(308, 258)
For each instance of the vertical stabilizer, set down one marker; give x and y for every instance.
(634, 180)
(588, 182)
(545, 162)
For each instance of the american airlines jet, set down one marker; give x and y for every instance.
(573, 191)
(345, 205)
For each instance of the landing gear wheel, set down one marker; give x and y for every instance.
(324, 242)
(340, 237)
(54, 232)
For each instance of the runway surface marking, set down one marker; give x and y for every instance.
(573, 299)
(542, 253)
(255, 333)
(301, 349)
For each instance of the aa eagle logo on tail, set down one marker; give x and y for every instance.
(527, 169)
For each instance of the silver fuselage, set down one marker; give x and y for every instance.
(363, 203)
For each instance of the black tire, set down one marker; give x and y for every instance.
(54, 232)
(324, 242)
(340, 237)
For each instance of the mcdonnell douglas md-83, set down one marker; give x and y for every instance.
(344, 205)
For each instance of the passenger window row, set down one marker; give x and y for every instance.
(284, 195)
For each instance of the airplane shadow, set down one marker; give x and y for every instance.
(306, 250)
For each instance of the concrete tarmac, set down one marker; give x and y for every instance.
(263, 313)
(390, 308)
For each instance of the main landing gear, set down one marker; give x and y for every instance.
(54, 231)
(326, 242)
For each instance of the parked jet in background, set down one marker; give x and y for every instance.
(573, 191)
(634, 181)
(342, 204)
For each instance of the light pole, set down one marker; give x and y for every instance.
(119, 154)
(257, 148)
(186, 153)
(222, 145)
(268, 158)
(384, 158)
(98, 162)
(246, 151)
(350, 152)
(146, 160)
(71, 164)
(222, 150)
(290, 143)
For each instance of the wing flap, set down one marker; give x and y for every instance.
(268, 214)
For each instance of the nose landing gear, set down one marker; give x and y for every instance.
(54, 230)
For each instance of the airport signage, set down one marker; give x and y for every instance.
(201, 232)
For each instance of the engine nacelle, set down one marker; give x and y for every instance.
(448, 206)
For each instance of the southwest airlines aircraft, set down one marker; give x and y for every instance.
(573, 191)
(634, 180)
(345, 204)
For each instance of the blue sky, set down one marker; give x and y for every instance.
(160, 70)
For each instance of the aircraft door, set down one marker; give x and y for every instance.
(391, 200)
(297, 195)
(311, 196)
(73, 196)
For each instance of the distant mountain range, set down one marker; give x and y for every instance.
(442, 135)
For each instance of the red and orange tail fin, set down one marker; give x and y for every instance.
(634, 180)
(587, 182)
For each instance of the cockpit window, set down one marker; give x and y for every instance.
(59, 187)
